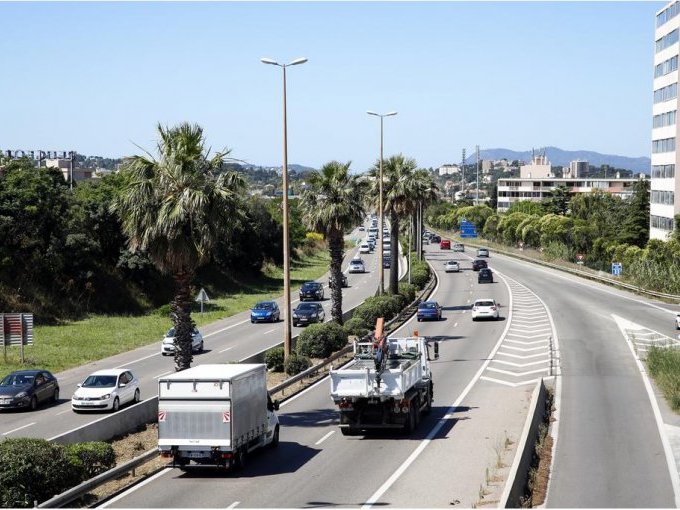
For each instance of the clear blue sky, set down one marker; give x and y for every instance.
(98, 77)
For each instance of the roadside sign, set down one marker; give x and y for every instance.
(467, 229)
(617, 268)
(202, 298)
(16, 329)
(579, 258)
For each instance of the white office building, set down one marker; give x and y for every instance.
(664, 200)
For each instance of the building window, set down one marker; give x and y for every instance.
(667, 40)
(663, 197)
(662, 223)
(666, 93)
(664, 119)
(665, 67)
(663, 171)
(667, 14)
(664, 145)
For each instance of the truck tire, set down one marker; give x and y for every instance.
(410, 424)
(275, 438)
(346, 431)
(240, 461)
(428, 401)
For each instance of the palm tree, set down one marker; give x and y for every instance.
(424, 193)
(332, 205)
(175, 208)
(398, 185)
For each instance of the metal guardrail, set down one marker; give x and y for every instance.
(80, 490)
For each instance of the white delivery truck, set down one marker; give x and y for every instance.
(214, 415)
(388, 384)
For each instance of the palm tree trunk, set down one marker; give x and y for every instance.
(181, 318)
(394, 253)
(336, 247)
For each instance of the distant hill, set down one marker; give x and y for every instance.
(561, 157)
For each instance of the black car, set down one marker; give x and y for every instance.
(434, 238)
(26, 389)
(485, 275)
(478, 264)
(308, 313)
(312, 291)
(343, 281)
(386, 261)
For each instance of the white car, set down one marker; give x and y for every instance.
(168, 343)
(357, 266)
(485, 309)
(482, 252)
(106, 390)
(677, 321)
(364, 248)
(452, 266)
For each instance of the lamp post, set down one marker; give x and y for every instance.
(287, 336)
(381, 270)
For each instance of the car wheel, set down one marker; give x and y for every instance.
(200, 347)
(295, 324)
(116, 405)
(419, 319)
(55, 396)
(34, 403)
(136, 399)
(252, 321)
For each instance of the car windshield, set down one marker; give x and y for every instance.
(17, 380)
(264, 305)
(452, 262)
(307, 307)
(171, 332)
(310, 286)
(484, 303)
(100, 381)
(428, 306)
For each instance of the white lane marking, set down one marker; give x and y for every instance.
(274, 329)
(134, 488)
(161, 375)
(224, 329)
(233, 505)
(456, 324)
(670, 458)
(63, 412)
(14, 430)
(225, 350)
(324, 437)
(140, 359)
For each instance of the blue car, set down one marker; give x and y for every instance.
(429, 310)
(265, 311)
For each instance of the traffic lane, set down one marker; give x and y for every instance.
(609, 450)
(329, 474)
(230, 340)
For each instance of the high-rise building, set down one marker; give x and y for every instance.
(576, 169)
(665, 192)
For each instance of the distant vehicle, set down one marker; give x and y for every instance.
(387, 262)
(265, 311)
(371, 243)
(364, 248)
(357, 266)
(168, 343)
(482, 252)
(312, 291)
(485, 309)
(106, 390)
(485, 275)
(478, 264)
(677, 321)
(307, 313)
(429, 310)
(445, 244)
(362, 228)
(452, 266)
(27, 389)
(458, 247)
(343, 281)
(434, 238)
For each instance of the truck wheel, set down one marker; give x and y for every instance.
(275, 438)
(410, 424)
(428, 401)
(241, 459)
(346, 431)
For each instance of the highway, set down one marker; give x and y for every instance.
(608, 453)
(228, 340)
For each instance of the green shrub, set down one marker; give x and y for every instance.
(356, 326)
(408, 290)
(274, 359)
(163, 311)
(91, 458)
(399, 302)
(379, 306)
(296, 364)
(420, 273)
(34, 470)
(321, 340)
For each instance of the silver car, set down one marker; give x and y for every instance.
(452, 266)
(168, 343)
(357, 266)
(485, 309)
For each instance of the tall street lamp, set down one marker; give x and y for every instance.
(287, 336)
(381, 270)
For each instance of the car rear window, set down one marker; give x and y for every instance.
(484, 303)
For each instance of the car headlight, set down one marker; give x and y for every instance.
(105, 397)
(295, 316)
(21, 395)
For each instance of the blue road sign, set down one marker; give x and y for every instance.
(617, 268)
(467, 228)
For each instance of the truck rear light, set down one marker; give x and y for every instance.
(166, 455)
(226, 455)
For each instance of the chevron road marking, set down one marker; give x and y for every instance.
(526, 356)
(531, 323)
(518, 374)
(523, 349)
(527, 343)
(506, 383)
(540, 335)
(520, 365)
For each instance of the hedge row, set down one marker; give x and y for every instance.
(36, 470)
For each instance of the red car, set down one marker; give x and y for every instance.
(445, 244)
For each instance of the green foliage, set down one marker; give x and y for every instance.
(274, 359)
(664, 366)
(296, 364)
(556, 250)
(378, 306)
(357, 326)
(408, 290)
(91, 458)
(321, 340)
(34, 470)
(420, 273)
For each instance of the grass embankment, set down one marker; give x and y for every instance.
(663, 364)
(58, 348)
